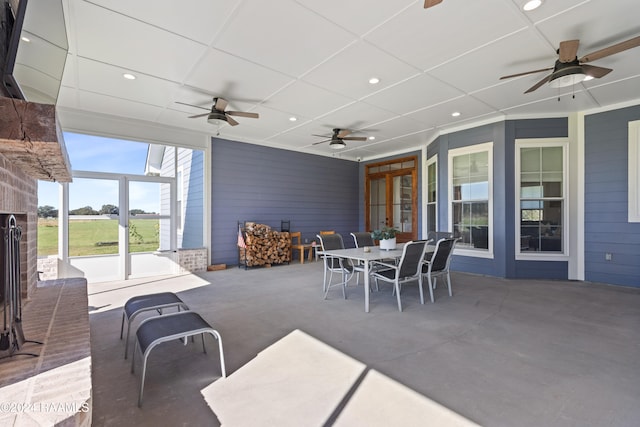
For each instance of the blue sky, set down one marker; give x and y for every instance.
(93, 153)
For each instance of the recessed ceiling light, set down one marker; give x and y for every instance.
(587, 78)
(455, 114)
(371, 138)
(374, 80)
(129, 76)
(531, 5)
(293, 119)
(25, 39)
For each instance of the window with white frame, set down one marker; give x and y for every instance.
(470, 187)
(634, 175)
(541, 192)
(432, 194)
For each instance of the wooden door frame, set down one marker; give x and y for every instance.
(402, 237)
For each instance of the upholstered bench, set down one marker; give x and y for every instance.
(157, 330)
(141, 303)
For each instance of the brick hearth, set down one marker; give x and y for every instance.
(53, 388)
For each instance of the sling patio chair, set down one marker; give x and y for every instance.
(408, 269)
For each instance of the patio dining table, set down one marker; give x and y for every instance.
(358, 254)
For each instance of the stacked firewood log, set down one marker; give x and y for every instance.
(265, 246)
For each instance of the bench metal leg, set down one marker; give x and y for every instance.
(160, 340)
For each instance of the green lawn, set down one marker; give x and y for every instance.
(97, 237)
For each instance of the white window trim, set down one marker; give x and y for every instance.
(486, 146)
(431, 161)
(180, 195)
(633, 175)
(537, 143)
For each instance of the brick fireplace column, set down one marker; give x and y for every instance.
(19, 196)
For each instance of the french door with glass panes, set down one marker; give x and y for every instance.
(391, 192)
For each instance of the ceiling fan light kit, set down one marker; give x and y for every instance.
(336, 141)
(215, 117)
(219, 113)
(567, 78)
(569, 69)
(337, 144)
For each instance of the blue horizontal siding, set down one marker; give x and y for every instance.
(267, 185)
(606, 225)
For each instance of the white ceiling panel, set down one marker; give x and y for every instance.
(427, 38)
(293, 138)
(349, 71)
(413, 94)
(397, 126)
(116, 39)
(441, 115)
(357, 16)
(313, 59)
(234, 78)
(306, 100)
(275, 22)
(511, 93)
(463, 72)
(112, 106)
(274, 120)
(198, 20)
(355, 116)
(596, 24)
(106, 79)
(617, 92)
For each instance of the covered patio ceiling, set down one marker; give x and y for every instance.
(312, 61)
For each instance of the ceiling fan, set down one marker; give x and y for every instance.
(569, 69)
(218, 112)
(429, 3)
(337, 140)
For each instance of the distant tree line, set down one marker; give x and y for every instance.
(51, 212)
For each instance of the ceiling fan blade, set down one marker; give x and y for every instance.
(429, 3)
(198, 115)
(343, 132)
(220, 104)
(355, 138)
(540, 83)
(243, 114)
(597, 72)
(321, 136)
(231, 121)
(525, 73)
(616, 48)
(191, 105)
(321, 142)
(568, 50)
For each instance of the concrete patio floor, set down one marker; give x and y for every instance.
(499, 352)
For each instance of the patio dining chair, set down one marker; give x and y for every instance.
(323, 233)
(438, 264)
(361, 239)
(408, 269)
(335, 264)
